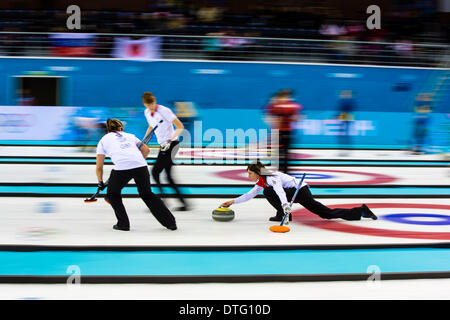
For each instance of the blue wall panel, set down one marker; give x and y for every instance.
(232, 95)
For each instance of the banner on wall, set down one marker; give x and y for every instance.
(148, 48)
(334, 127)
(374, 129)
(70, 125)
(72, 44)
(34, 123)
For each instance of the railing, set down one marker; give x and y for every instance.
(101, 45)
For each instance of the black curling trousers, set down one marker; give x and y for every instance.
(285, 144)
(164, 161)
(305, 198)
(119, 179)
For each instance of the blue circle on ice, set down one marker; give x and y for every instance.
(310, 176)
(408, 218)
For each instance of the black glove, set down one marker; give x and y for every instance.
(101, 186)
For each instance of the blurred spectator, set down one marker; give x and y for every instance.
(209, 14)
(345, 49)
(282, 112)
(422, 112)
(404, 49)
(177, 21)
(25, 98)
(187, 113)
(232, 45)
(332, 30)
(213, 45)
(412, 23)
(281, 19)
(346, 108)
(374, 51)
(248, 46)
(11, 43)
(89, 130)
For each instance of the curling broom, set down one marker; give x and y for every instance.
(149, 135)
(93, 198)
(146, 139)
(282, 228)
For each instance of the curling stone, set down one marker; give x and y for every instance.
(223, 214)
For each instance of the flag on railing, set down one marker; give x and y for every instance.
(148, 48)
(72, 44)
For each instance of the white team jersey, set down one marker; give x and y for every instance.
(278, 181)
(165, 129)
(122, 148)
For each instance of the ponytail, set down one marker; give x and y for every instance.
(113, 125)
(256, 167)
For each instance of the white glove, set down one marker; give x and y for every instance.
(287, 209)
(165, 146)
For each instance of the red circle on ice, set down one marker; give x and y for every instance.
(305, 217)
(230, 153)
(371, 178)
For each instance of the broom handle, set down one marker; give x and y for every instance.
(298, 189)
(293, 198)
(149, 135)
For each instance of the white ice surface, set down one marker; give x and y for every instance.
(311, 153)
(56, 173)
(71, 221)
(438, 289)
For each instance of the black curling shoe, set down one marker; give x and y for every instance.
(182, 208)
(174, 227)
(116, 227)
(367, 213)
(279, 218)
